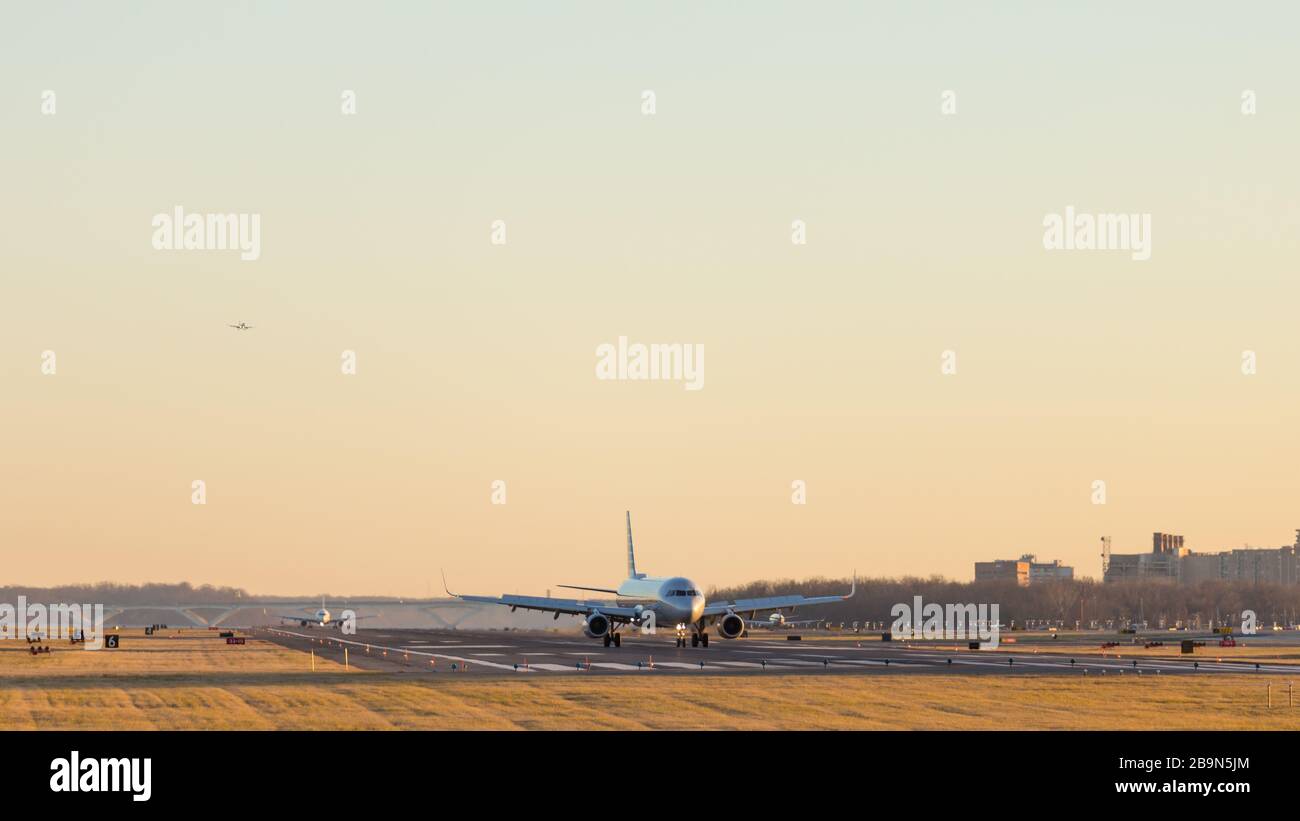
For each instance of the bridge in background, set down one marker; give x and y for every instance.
(439, 613)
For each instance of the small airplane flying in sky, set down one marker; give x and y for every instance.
(648, 602)
(241, 327)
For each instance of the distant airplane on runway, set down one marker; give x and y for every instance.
(241, 327)
(777, 621)
(321, 618)
(647, 602)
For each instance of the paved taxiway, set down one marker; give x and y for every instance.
(518, 652)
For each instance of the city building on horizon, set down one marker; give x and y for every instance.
(1024, 571)
(1171, 561)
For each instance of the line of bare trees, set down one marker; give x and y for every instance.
(1063, 602)
(125, 594)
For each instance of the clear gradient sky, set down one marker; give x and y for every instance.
(476, 362)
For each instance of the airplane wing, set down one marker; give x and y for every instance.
(338, 619)
(575, 607)
(301, 618)
(775, 602)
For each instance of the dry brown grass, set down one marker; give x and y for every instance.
(188, 651)
(201, 683)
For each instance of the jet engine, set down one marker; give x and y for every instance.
(597, 626)
(731, 626)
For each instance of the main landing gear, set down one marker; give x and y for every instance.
(615, 639)
(697, 639)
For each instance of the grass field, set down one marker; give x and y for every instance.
(201, 683)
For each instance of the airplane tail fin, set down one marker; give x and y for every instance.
(631, 556)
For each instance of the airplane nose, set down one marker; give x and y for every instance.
(697, 608)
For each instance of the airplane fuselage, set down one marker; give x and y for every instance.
(673, 600)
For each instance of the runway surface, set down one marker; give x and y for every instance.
(538, 653)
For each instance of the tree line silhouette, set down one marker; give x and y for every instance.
(1057, 602)
(125, 594)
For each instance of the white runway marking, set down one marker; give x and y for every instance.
(467, 646)
(381, 648)
(974, 663)
(794, 645)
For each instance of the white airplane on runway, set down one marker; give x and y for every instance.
(321, 618)
(778, 621)
(648, 602)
